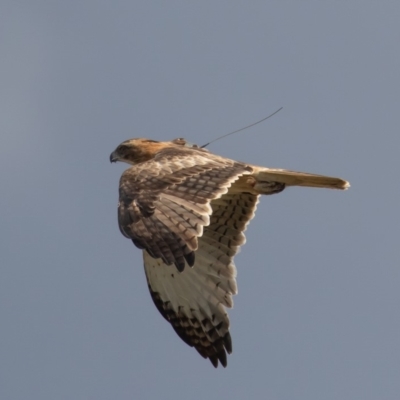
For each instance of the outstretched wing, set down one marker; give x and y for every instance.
(195, 300)
(164, 203)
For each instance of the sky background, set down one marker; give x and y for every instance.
(317, 314)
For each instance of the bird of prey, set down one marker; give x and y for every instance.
(187, 209)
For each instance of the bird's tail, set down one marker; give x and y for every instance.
(293, 178)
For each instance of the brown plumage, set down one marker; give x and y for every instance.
(187, 209)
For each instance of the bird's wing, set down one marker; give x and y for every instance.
(194, 301)
(165, 202)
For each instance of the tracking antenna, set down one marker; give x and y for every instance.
(241, 129)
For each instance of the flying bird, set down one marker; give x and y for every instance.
(187, 209)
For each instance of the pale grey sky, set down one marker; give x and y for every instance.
(317, 314)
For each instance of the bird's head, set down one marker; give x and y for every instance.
(135, 151)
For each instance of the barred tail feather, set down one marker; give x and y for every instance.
(294, 178)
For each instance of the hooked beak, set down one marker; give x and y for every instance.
(113, 157)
